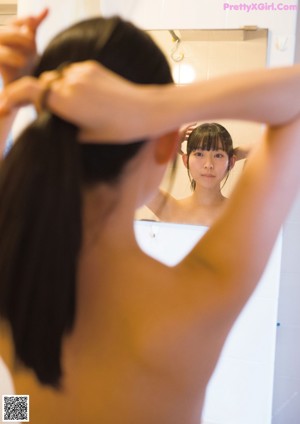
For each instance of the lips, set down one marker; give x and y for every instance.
(207, 175)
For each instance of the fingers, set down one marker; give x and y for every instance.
(17, 53)
(87, 70)
(20, 93)
(17, 37)
(12, 57)
(31, 22)
(47, 79)
(21, 33)
(28, 90)
(37, 20)
(18, 46)
(186, 131)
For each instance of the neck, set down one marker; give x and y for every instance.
(207, 196)
(108, 218)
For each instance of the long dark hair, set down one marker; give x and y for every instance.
(40, 195)
(209, 136)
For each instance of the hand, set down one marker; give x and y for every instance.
(85, 94)
(242, 152)
(18, 47)
(76, 94)
(184, 133)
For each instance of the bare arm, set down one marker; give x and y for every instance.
(104, 105)
(161, 203)
(17, 56)
(262, 96)
(266, 190)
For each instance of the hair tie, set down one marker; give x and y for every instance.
(43, 99)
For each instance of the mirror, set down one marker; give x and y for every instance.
(202, 55)
(245, 367)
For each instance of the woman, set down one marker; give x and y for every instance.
(106, 333)
(208, 159)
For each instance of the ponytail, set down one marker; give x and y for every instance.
(40, 203)
(40, 238)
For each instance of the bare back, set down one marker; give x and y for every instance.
(133, 356)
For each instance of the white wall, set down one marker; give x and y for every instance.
(286, 404)
(193, 14)
(62, 13)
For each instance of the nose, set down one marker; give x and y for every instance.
(208, 163)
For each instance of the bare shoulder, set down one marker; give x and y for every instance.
(163, 205)
(187, 292)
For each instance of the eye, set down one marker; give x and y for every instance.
(198, 153)
(219, 155)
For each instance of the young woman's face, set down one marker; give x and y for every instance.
(208, 167)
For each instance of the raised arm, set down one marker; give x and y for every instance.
(17, 56)
(236, 248)
(234, 251)
(105, 105)
(262, 96)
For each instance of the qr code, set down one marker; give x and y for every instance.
(15, 408)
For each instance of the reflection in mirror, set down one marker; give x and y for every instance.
(202, 55)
